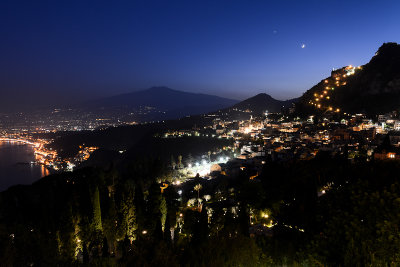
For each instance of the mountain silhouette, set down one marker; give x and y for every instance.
(260, 103)
(373, 88)
(169, 103)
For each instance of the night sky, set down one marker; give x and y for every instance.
(66, 51)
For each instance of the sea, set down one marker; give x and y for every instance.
(16, 167)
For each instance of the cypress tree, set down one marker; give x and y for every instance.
(163, 211)
(97, 210)
(129, 210)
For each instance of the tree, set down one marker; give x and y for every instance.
(153, 215)
(171, 198)
(130, 220)
(198, 188)
(97, 210)
(109, 217)
(127, 212)
(66, 234)
(140, 208)
(180, 161)
(173, 163)
(163, 211)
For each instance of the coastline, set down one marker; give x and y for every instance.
(18, 165)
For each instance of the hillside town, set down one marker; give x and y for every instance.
(277, 138)
(271, 137)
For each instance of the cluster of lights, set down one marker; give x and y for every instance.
(318, 97)
(203, 167)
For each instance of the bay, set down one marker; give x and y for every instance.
(15, 167)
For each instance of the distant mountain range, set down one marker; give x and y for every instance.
(373, 88)
(165, 103)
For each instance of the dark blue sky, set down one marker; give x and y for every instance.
(69, 50)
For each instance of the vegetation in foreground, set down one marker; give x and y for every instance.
(122, 218)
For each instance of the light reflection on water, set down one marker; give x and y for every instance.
(44, 171)
(14, 165)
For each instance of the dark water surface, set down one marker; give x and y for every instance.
(13, 171)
